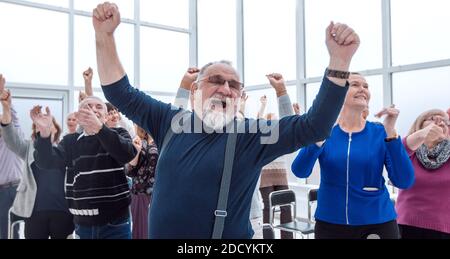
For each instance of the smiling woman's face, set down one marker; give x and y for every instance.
(358, 95)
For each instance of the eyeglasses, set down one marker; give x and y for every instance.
(436, 118)
(219, 81)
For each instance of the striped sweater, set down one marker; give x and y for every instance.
(96, 186)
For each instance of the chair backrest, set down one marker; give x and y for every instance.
(279, 199)
(312, 197)
(282, 198)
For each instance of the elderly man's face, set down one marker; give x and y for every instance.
(216, 97)
(97, 107)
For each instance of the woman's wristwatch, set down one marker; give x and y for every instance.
(337, 74)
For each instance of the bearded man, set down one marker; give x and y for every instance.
(186, 202)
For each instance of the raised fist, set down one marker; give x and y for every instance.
(106, 18)
(189, 78)
(263, 100)
(342, 43)
(88, 74)
(277, 81)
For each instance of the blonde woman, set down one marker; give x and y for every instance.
(423, 210)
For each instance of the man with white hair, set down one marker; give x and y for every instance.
(96, 186)
(194, 194)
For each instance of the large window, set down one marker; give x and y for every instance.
(84, 49)
(418, 91)
(419, 31)
(216, 31)
(164, 59)
(34, 50)
(269, 39)
(126, 7)
(168, 12)
(363, 16)
(62, 3)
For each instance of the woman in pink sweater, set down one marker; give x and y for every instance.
(424, 210)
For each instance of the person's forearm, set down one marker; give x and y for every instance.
(110, 69)
(281, 92)
(88, 88)
(135, 161)
(415, 140)
(340, 65)
(242, 108)
(285, 106)
(261, 111)
(7, 117)
(119, 147)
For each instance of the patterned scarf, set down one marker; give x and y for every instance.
(436, 157)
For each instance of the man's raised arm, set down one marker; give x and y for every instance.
(106, 19)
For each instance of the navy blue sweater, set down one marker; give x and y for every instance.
(189, 171)
(352, 189)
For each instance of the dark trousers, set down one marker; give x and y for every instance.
(285, 216)
(324, 230)
(409, 232)
(116, 229)
(45, 224)
(7, 196)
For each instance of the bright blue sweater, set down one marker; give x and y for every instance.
(352, 189)
(189, 170)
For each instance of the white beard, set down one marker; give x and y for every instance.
(212, 118)
(216, 120)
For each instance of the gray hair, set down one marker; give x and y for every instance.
(204, 68)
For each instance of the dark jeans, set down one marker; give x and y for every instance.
(116, 229)
(45, 224)
(409, 232)
(285, 216)
(326, 230)
(7, 196)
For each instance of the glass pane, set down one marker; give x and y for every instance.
(363, 16)
(164, 59)
(216, 25)
(61, 3)
(126, 7)
(417, 34)
(167, 12)
(254, 103)
(34, 49)
(85, 55)
(428, 88)
(24, 105)
(269, 42)
(311, 92)
(376, 91)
